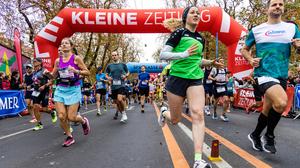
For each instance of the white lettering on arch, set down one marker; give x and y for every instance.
(117, 17)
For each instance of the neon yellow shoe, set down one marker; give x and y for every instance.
(54, 116)
(38, 127)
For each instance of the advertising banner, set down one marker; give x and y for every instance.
(12, 102)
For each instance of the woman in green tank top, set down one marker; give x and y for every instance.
(185, 48)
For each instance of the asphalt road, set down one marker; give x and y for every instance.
(140, 142)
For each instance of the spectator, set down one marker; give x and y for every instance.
(291, 78)
(15, 81)
(1, 78)
(6, 83)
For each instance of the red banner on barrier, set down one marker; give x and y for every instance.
(245, 98)
(290, 91)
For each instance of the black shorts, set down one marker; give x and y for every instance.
(220, 91)
(42, 99)
(101, 91)
(144, 91)
(265, 86)
(209, 89)
(229, 93)
(257, 94)
(179, 86)
(135, 91)
(28, 95)
(128, 93)
(86, 93)
(116, 92)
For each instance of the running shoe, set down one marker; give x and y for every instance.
(142, 111)
(38, 127)
(86, 126)
(161, 118)
(186, 110)
(124, 118)
(224, 118)
(268, 144)
(68, 142)
(99, 113)
(116, 116)
(53, 116)
(105, 109)
(201, 164)
(206, 110)
(214, 116)
(33, 120)
(85, 108)
(256, 143)
(71, 130)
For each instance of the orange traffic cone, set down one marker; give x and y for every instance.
(214, 155)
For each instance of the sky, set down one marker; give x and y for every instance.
(149, 41)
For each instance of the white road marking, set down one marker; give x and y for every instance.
(130, 108)
(206, 148)
(30, 129)
(16, 133)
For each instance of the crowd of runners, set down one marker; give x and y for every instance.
(189, 78)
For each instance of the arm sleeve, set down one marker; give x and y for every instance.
(172, 42)
(167, 54)
(250, 41)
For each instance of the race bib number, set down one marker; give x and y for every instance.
(221, 89)
(265, 79)
(35, 94)
(144, 83)
(65, 73)
(116, 82)
(208, 81)
(99, 85)
(86, 89)
(229, 88)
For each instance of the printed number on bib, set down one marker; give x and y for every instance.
(220, 89)
(99, 85)
(66, 73)
(208, 81)
(144, 83)
(35, 93)
(116, 82)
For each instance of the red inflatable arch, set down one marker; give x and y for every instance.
(69, 21)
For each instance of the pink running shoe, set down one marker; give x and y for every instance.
(68, 142)
(86, 126)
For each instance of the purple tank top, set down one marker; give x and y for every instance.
(65, 75)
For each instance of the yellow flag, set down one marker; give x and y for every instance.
(5, 60)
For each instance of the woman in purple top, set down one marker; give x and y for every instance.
(67, 95)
